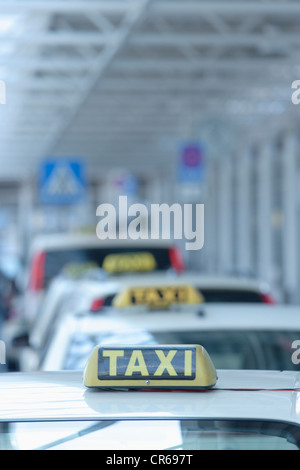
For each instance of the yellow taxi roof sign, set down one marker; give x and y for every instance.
(158, 297)
(150, 367)
(125, 262)
(76, 270)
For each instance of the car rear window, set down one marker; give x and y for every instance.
(57, 260)
(231, 295)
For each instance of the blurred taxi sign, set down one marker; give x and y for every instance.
(158, 297)
(124, 262)
(155, 366)
(75, 270)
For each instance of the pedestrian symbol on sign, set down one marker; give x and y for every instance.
(62, 182)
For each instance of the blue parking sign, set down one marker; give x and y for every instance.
(191, 165)
(62, 181)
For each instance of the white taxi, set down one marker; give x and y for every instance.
(238, 336)
(50, 253)
(97, 290)
(93, 291)
(72, 295)
(122, 295)
(76, 257)
(168, 398)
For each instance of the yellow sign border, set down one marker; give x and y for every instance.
(123, 298)
(205, 372)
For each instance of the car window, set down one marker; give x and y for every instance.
(231, 295)
(259, 350)
(57, 260)
(197, 434)
(81, 345)
(269, 350)
(239, 435)
(99, 435)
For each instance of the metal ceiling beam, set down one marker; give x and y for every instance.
(130, 20)
(154, 39)
(90, 121)
(103, 132)
(166, 64)
(65, 129)
(67, 6)
(44, 84)
(172, 7)
(187, 83)
(234, 8)
(103, 103)
(196, 84)
(232, 39)
(158, 65)
(57, 38)
(48, 64)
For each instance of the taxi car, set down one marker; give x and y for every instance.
(16, 333)
(211, 289)
(50, 253)
(92, 291)
(133, 292)
(70, 257)
(238, 336)
(142, 397)
(95, 290)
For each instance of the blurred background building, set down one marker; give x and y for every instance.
(165, 101)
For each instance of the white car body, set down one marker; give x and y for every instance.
(66, 391)
(78, 334)
(82, 293)
(62, 243)
(67, 296)
(54, 410)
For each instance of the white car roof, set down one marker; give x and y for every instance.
(203, 317)
(126, 326)
(264, 395)
(55, 241)
(84, 291)
(116, 282)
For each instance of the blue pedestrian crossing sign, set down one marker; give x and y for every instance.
(62, 182)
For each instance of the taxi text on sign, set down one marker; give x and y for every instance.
(154, 366)
(158, 296)
(130, 363)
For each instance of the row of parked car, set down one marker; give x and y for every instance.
(131, 316)
(81, 293)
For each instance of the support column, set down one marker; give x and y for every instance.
(264, 207)
(210, 251)
(290, 235)
(25, 215)
(244, 212)
(225, 229)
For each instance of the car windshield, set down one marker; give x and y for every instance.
(81, 345)
(150, 435)
(266, 350)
